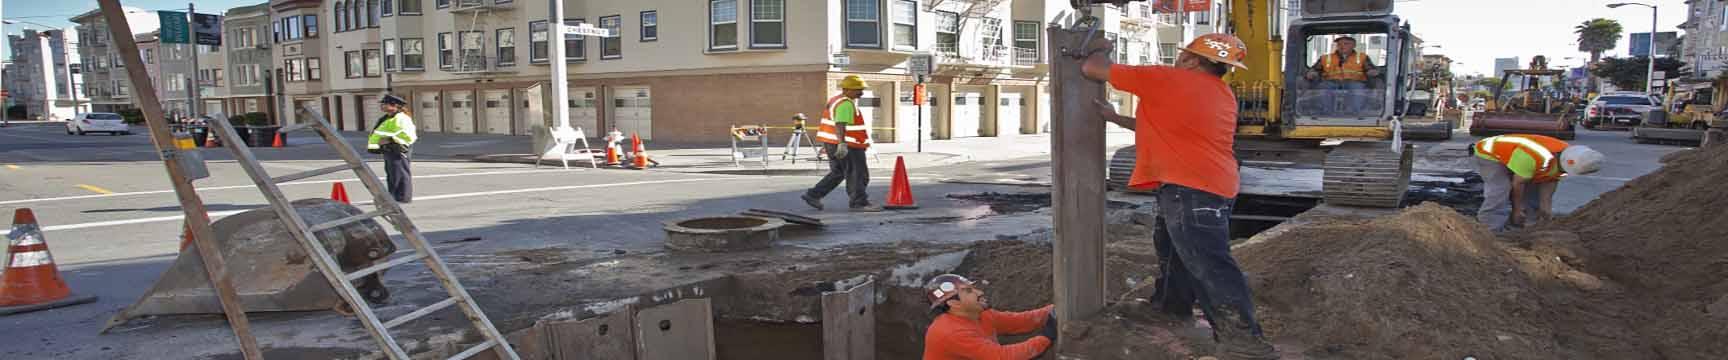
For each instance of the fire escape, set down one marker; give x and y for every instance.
(471, 20)
(987, 49)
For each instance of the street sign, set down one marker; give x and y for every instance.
(587, 30)
(840, 59)
(207, 29)
(920, 64)
(174, 27)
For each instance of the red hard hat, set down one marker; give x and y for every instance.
(944, 287)
(1224, 48)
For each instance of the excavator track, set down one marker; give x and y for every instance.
(1367, 174)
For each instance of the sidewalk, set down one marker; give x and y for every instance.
(710, 158)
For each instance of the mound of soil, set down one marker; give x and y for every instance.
(1425, 283)
(1665, 232)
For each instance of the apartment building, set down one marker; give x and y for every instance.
(246, 54)
(43, 75)
(1705, 46)
(106, 84)
(171, 69)
(296, 70)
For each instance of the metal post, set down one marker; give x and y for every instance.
(1077, 147)
(920, 102)
(192, 102)
(560, 80)
(1650, 72)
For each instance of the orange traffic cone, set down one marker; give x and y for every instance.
(185, 237)
(278, 142)
(31, 281)
(210, 142)
(639, 158)
(612, 155)
(900, 192)
(339, 193)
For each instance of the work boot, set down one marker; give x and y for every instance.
(867, 208)
(813, 202)
(1247, 348)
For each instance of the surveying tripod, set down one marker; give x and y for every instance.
(797, 141)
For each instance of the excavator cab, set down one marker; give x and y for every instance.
(1322, 108)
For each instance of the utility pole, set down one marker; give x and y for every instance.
(1077, 151)
(560, 76)
(192, 102)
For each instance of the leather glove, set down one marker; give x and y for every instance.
(1050, 329)
(841, 151)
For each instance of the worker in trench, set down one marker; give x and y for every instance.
(1520, 174)
(1184, 130)
(392, 137)
(966, 327)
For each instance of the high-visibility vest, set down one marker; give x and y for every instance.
(857, 134)
(1353, 68)
(1546, 150)
(399, 127)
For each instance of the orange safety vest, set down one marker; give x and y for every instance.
(1544, 149)
(1351, 69)
(857, 134)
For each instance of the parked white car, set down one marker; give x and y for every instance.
(98, 122)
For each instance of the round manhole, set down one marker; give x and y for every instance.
(723, 233)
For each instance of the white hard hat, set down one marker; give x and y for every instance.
(1580, 159)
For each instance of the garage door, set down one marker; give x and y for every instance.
(304, 105)
(906, 123)
(583, 113)
(369, 106)
(1041, 120)
(631, 111)
(426, 112)
(461, 112)
(495, 105)
(871, 106)
(1009, 110)
(968, 113)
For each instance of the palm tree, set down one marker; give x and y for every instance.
(1596, 36)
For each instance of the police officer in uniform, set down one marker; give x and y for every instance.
(392, 137)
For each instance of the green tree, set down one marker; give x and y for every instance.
(1595, 37)
(1629, 73)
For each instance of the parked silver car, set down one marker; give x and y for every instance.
(98, 122)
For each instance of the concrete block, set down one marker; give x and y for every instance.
(679, 331)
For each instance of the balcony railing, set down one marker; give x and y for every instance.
(478, 64)
(985, 55)
(1026, 57)
(476, 5)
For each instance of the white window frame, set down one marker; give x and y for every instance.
(404, 59)
(901, 5)
(943, 19)
(650, 21)
(391, 48)
(314, 69)
(846, 13)
(755, 44)
(713, 39)
(575, 47)
(617, 23)
(544, 35)
(446, 42)
(498, 48)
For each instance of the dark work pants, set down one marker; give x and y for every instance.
(853, 170)
(1193, 242)
(397, 176)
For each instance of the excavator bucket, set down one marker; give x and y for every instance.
(269, 269)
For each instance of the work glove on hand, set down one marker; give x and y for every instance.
(841, 151)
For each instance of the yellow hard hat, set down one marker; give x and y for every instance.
(852, 82)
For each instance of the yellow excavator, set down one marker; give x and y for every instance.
(1285, 119)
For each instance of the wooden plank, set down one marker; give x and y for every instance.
(1077, 147)
(197, 216)
(849, 323)
(609, 336)
(682, 330)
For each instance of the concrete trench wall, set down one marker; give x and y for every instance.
(756, 315)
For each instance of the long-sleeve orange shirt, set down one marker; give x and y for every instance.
(953, 337)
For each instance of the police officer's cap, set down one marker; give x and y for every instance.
(393, 100)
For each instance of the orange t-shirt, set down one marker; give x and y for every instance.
(1185, 128)
(951, 337)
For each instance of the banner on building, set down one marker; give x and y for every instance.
(174, 27)
(207, 29)
(1196, 5)
(1165, 6)
(1664, 43)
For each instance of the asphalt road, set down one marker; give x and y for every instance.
(113, 223)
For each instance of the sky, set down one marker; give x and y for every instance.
(1473, 32)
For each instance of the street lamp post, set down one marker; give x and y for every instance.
(1650, 72)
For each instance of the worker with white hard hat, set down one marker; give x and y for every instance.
(1520, 174)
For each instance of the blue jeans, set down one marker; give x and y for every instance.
(1194, 262)
(1352, 99)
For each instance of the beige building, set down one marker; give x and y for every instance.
(677, 72)
(105, 80)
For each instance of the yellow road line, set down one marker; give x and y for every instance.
(12, 167)
(95, 189)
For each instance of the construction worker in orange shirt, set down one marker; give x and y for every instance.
(1184, 130)
(966, 327)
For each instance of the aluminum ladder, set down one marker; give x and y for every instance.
(385, 207)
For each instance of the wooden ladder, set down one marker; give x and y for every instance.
(386, 207)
